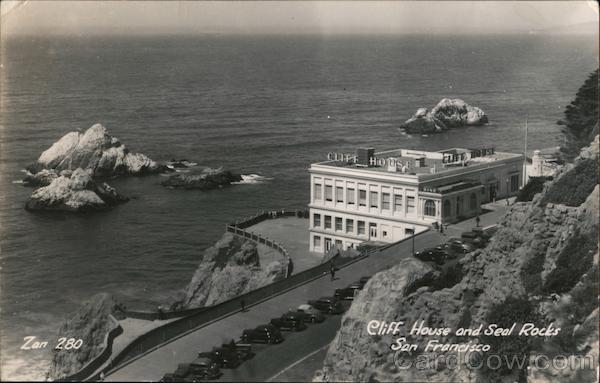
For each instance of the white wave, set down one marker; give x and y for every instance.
(17, 182)
(252, 179)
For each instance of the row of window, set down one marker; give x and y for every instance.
(329, 221)
(386, 198)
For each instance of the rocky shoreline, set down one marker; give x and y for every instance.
(207, 179)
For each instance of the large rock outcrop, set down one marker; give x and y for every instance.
(97, 151)
(229, 268)
(540, 267)
(206, 180)
(448, 113)
(91, 323)
(75, 192)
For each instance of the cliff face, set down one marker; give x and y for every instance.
(540, 267)
(229, 268)
(91, 323)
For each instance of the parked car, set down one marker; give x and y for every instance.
(204, 368)
(292, 321)
(311, 314)
(347, 293)
(266, 333)
(456, 246)
(243, 350)
(432, 254)
(328, 305)
(474, 237)
(223, 357)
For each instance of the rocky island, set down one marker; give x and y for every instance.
(69, 173)
(74, 191)
(207, 179)
(96, 150)
(448, 113)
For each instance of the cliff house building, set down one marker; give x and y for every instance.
(388, 196)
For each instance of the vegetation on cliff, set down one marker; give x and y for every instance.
(580, 123)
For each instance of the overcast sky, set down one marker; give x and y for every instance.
(88, 17)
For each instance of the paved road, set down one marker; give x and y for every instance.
(269, 362)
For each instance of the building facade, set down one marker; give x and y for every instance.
(388, 196)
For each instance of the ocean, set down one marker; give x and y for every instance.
(266, 105)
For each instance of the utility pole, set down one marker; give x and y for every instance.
(525, 158)
(413, 241)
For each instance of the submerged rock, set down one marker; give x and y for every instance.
(74, 192)
(97, 151)
(206, 180)
(91, 323)
(446, 114)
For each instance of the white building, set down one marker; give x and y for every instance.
(385, 196)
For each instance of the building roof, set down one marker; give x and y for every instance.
(416, 162)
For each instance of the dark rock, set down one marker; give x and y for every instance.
(206, 180)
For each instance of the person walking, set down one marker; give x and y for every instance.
(332, 270)
(477, 220)
(243, 304)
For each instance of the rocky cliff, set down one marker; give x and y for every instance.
(540, 267)
(91, 323)
(96, 150)
(448, 113)
(74, 192)
(229, 268)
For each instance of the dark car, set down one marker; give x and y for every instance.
(243, 350)
(204, 368)
(311, 314)
(347, 293)
(432, 254)
(223, 357)
(327, 305)
(266, 333)
(456, 247)
(474, 237)
(292, 321)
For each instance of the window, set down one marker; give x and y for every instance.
(361, 227)
(349, 226)
(316, 241)
(385, 201)
(328, 193)
(397, 202)
(429, 208)
(327, 222)
(384, 233)
(339, 244)
(410, 204)
(317, 220)
(374, 199)
(473, 201)
(338, 224)
(318, 191)
(339, 194)
(514, 183)
(327, 244)
(351, 196)
(362, 197)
